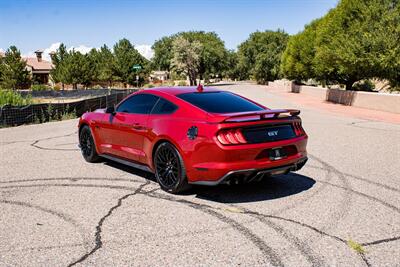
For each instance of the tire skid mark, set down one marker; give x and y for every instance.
(352, 191)
(345, 203)
(150, 193)
(60, 215)
(301, 246)
(257, 241)
(98, 238)
(72, 179)
(357, 125)
(211, 207)
(305, 199)
(314, 261)
(268, 252)
(45, 247)
(374, 199)
(363, 179)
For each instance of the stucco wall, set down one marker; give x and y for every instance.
(374, 101)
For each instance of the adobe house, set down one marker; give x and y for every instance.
(161, 75)
(39, 68)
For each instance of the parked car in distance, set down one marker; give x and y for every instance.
(189, 135)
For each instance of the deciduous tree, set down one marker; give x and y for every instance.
(298, 57)
(260, 55)
(186, 57)
(359, 39)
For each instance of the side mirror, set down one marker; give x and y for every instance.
(110, 110)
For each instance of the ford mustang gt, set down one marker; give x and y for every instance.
(190, 135)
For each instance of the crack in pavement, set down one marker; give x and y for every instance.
(267, 251)
(255, 239)
(60, 215)
(34, 144)
(37, 140)
(72, 179)
(381, 241)
(98, 240)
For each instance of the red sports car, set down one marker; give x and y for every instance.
(190, 135)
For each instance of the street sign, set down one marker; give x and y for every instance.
(136, 67)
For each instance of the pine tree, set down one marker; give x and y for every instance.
(13, 72)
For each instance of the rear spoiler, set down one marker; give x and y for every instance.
(258, 115)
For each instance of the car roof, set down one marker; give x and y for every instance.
(180, 90)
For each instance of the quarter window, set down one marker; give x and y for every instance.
(164, 107)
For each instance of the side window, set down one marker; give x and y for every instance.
(164, 107)
(139, 104)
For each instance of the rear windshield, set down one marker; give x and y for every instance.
(219, 102)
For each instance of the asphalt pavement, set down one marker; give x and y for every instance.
(341, 209)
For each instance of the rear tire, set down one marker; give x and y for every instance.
(170, 169)
(87, 145)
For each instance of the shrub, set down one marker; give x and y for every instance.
(366, 85)
(169, 83)
(8, 97)
(39, 87)
(182, 83)
(148, 85)
(97, 86)
(56, 87)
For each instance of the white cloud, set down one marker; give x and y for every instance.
(52, 48)
(145, 50)
(81, 48)
(2, 50)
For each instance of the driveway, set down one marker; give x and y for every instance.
(341, 209)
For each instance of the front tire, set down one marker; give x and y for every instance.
(170, 170)
(87, 145)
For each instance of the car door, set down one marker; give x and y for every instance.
(128, 126)
(156, 120)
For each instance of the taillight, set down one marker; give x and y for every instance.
(231, 137)
(298, 129)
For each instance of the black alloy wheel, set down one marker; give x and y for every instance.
(87, 145)
(170, 169)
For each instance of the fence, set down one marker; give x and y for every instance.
(39, 113)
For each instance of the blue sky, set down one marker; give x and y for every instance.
(35, 24)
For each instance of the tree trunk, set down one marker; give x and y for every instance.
(74, 86)
(349, 85)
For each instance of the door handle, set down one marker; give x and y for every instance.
(138, 126)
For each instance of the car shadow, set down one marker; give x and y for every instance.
(269, 188)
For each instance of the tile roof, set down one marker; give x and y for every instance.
(38, 65)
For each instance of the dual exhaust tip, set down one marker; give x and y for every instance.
(256, 176)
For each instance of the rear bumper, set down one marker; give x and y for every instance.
(249, 175)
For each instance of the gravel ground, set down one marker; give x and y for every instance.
(341, 209)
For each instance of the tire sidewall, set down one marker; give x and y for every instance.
(93, 154)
